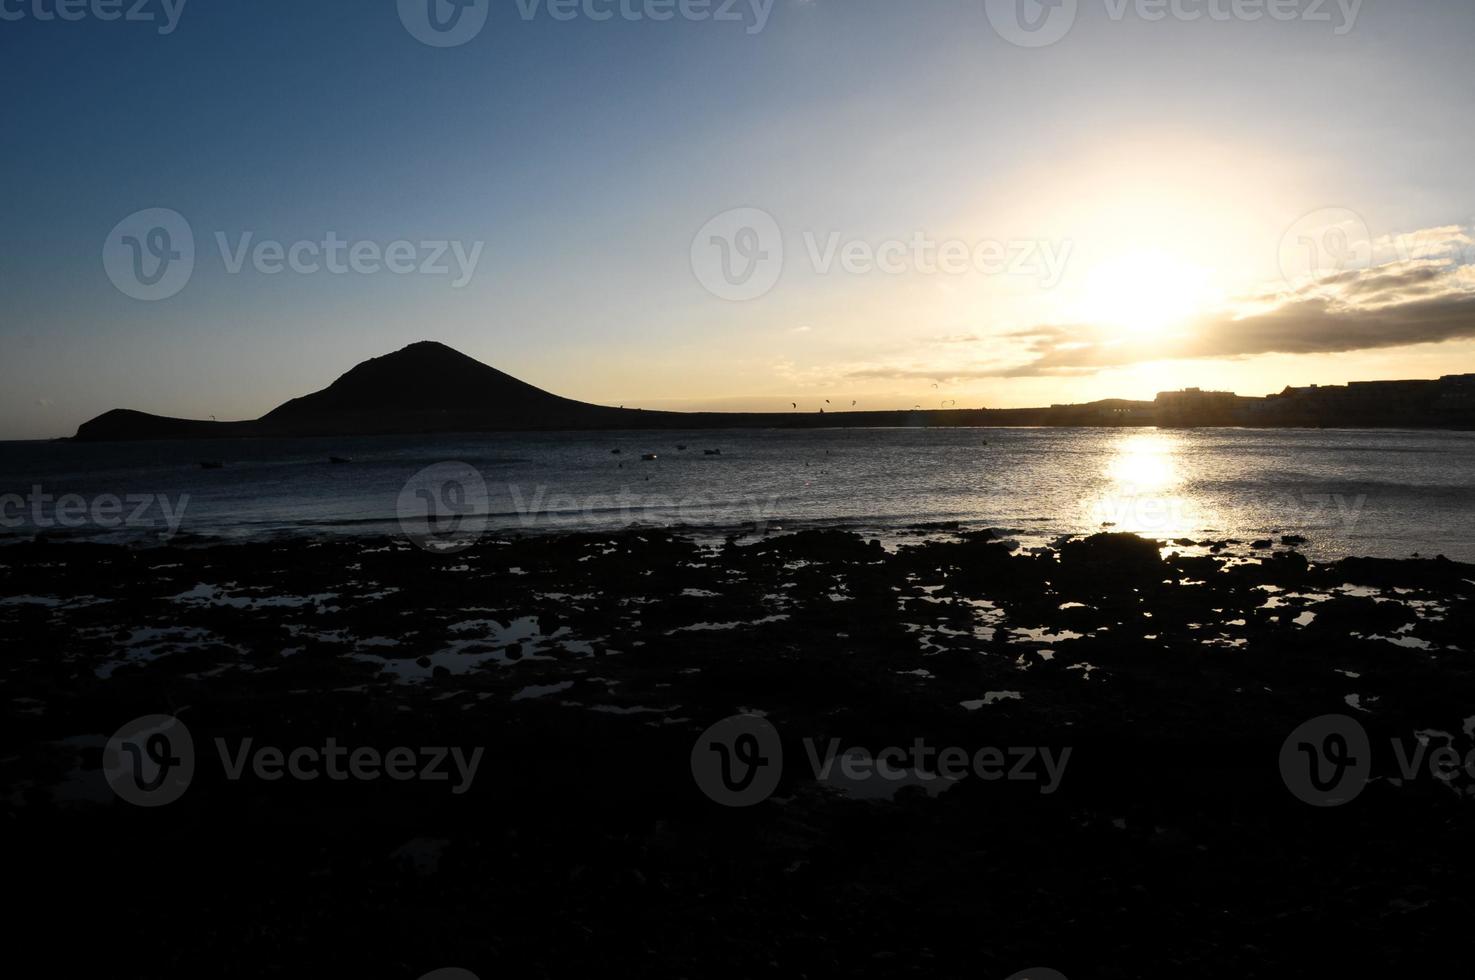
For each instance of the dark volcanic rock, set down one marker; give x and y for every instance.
(1170, 847)
(1112, 553)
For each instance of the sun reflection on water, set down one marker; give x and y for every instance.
(1143, 490)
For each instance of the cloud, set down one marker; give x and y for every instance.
(1396, 304)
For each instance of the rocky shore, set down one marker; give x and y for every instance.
(1152, 831)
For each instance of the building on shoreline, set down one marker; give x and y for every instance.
(1447, 401)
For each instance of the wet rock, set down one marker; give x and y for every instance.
(1114, 550)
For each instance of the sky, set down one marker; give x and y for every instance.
(730, 205)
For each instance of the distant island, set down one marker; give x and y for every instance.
(428, 387)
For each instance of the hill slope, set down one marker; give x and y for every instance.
(429, 387)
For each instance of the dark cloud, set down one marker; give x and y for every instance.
(1388, 306)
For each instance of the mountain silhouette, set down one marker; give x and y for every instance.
(429, 386)
(425, 387)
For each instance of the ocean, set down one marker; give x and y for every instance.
(1387, 493)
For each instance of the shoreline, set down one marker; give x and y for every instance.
(892, 536)
(255, 438)
(788, 426)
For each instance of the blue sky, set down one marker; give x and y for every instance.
(585, 155)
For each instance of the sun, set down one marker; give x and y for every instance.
(1145, 292)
